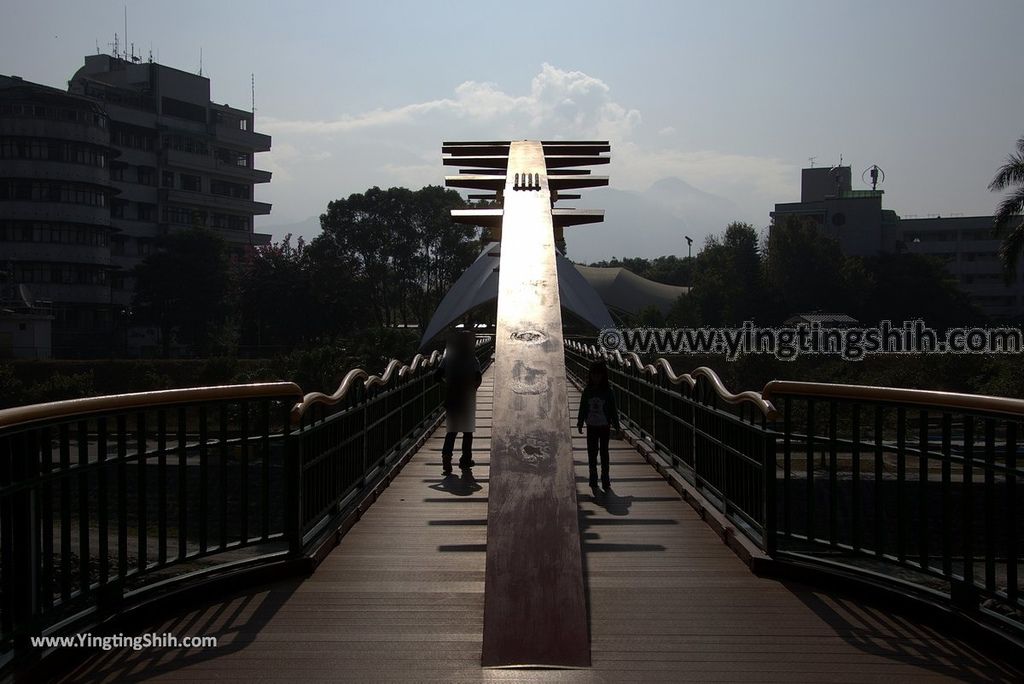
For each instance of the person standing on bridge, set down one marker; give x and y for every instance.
(600, 414)
(460, 371)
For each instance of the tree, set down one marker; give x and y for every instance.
(443, 252)
(280, 305)
(671, 270)
(914, 286)
(401, 246)
(1010, 175)
(807, 271)
(637, 265)
(184, 286)
(727, 284)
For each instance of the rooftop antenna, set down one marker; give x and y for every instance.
(97, 46)
(811, 159)
(200, 60)
(126, 30)
(837, 175)
(252, 80)
(151, 53)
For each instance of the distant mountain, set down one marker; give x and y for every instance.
(307, 228)
(645, 224)
(649, 223)
(686, 200)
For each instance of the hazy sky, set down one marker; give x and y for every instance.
(732, 97)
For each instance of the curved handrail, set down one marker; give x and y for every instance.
(68, 408)
(395, 368)
(749, 396)
(953, 400)
(357, 374)
(758, 400)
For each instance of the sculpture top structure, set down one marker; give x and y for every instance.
(534, 606)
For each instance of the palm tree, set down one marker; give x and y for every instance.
(1011, 175)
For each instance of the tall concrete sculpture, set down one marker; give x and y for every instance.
(534, 605)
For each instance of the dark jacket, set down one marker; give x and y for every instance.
(597, 401)
(461, 380)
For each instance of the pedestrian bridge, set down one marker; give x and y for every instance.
(802, 532)
(327, 546)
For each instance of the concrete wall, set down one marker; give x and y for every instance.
(26, 336)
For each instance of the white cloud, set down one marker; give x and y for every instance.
(315, 161)
(570, 103)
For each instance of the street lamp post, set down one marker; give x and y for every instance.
(689, 261)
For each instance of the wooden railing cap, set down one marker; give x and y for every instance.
(980, 403)
(55, 410)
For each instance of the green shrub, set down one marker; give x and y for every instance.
(60, 386)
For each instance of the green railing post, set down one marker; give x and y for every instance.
(293, 513)
(364, 403)
(21, 547)
(770, 494)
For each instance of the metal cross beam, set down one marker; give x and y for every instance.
(534, 605)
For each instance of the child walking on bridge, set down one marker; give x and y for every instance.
(600, 414)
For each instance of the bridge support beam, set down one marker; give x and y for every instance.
(534, 604)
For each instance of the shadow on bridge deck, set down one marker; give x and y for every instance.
(401, 598)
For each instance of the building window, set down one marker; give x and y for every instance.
(177, 215)
(52, 232)
(167, 179)
(191, 183)
(48, 191)
(184, 143)
(146, 175)
(230, 221)
(146, 211)
(236, 190)
(129, 136)
(232, 158)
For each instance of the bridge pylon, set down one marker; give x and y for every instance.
(534, 603)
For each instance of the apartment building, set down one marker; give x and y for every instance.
(162, 157)
(857, 220)
(55, 225)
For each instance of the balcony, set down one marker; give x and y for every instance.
(257, 142)
(59, 252)
(56, 211)
(235, 204)
(212, 165)
(55, 130)
(56, 171)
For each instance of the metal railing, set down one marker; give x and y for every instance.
(915, 488)
(917, 491)
(716, 440)
(107, 501)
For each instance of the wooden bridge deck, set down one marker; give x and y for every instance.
(401, 599)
